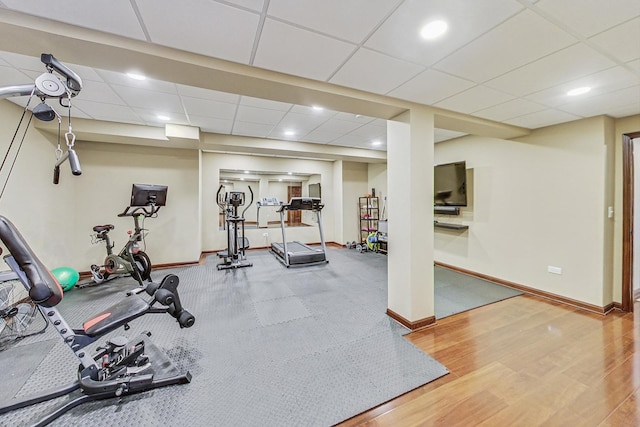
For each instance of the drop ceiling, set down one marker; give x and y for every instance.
(509, 61)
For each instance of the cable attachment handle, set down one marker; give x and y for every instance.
(74, 161)
(70, 137)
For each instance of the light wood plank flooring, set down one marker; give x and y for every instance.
(524, 361)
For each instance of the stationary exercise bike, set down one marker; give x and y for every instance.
(237, 243)
(131, 260)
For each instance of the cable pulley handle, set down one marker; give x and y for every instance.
(250, 203)
(70, 137)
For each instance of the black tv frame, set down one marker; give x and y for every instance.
(444, 195)
(148, 195)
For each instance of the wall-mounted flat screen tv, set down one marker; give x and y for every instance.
(314, 190)
(450, 184)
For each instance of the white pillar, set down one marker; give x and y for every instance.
(410, 139)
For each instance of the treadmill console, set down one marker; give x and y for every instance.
(305, 204)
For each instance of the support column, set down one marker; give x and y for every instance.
(410, 139)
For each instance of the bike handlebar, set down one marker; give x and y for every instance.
(147, 211)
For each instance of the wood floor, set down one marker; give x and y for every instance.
(524, 361)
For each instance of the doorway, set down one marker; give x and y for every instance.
(628, 219)
(294, 217)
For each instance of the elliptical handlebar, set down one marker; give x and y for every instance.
(250, 203)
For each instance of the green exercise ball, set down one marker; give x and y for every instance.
(66, 276)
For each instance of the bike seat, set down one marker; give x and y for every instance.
(101, 228)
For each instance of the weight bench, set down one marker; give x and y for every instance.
(120, 366)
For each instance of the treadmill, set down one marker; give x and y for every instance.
(297, 254)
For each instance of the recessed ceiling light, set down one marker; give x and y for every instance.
(317, 108)
(136, 76)
(280, 180)
(433, 29)
(289, 173)
(241, 179)
(246, 171)
(579, 91)
(289, 133)
(376, 142)
(163, 117)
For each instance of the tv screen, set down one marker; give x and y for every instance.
(314, 190)
(148, 194)
(450, 184)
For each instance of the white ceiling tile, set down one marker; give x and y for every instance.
(601, 104)
(100, 92)
(474, 99)
(430, 87)
(150, 117)
(210, 124)
(24, 62)
(281, 132)
(602, 82)
(249, 4)
(351, 140)
(212, 95)
(625, 111)
(336, 125)
(209, 108)
(634, 65)
(115, 16)
(121, 79)
(568, 64)
(302, 121)
(542, 118)
(201, 26)
(10, 76)
(509, 110)
(371, 131)
(151, 100)
(251, 129)
(259, 115)
(628, 33)
(589, 17)
(516, 42)
(108, 112)
(348, 20)
(374, 72)
(264, 103)
(356, 118)
(299, 52)
(321, 137)
(399, 35)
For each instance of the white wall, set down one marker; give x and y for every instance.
(536, 202)
(377, 177)
(354, 185)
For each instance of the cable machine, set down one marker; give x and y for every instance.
(296, 253)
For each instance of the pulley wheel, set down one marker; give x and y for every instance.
(50, 85)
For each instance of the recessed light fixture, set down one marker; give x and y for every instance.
(317, 108)
(289, 133)
(433, 30)
(280, 180)
(376, 142)
(241, 179)
(137, 76)
(578, 91)
(358, 116)
(163, 117)
(289, 173)
(246, 171)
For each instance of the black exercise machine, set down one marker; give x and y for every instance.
(294, 254)
(234, 256)
(120, 366)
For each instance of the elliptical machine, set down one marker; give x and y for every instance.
(237, 243)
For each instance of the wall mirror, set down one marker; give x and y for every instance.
(270, 189)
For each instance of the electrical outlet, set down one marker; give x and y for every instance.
(554, 270)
